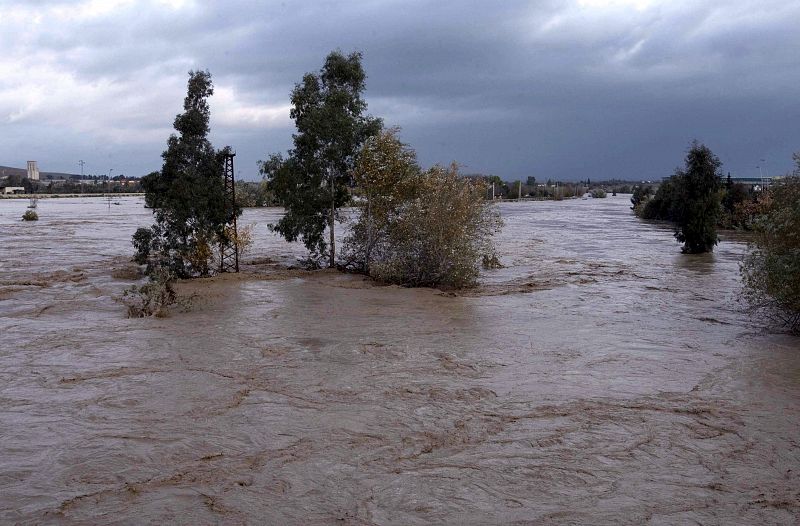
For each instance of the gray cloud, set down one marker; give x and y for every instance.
(589, 88)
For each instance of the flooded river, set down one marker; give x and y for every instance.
(599, 377)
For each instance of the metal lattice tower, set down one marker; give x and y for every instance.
(228, 250)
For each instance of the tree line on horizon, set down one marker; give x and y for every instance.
(74, 184)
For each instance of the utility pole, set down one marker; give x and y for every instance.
(519, 193)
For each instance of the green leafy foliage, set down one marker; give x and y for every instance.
(250, 194)
(418, 228)
(690, 198)
(387, 175)
(771, 269)
(187, 195)
(739, 204)
(698, 206)
(153, 298)
(736, 199)
(663, 204)
(30, 215)
(312, 183)
(735, 194)
(641, 195)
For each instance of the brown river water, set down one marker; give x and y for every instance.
(601, 377)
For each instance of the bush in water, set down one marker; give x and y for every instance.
(771, 269)
(152, 298)
(419, 229)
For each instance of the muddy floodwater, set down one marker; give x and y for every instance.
(600, 377)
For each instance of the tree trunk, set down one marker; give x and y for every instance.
(331, 220)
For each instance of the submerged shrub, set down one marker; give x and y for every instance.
(771, 268)
(419, 229)
(641, 195)
(153, 298)
(491, 262)
(439, 238)
(30, 215)
(599, 193)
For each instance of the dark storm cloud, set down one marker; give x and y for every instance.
(590, 88)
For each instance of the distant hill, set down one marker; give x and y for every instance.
(23, 172)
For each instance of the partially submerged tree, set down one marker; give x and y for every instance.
(312, 183)
(698, 204)
(387, 175)
(641, 195)
(771, 269)
(430, 228)
(664, 204)
(690, 198)
(187, 195)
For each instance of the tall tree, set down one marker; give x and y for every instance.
(698, 204)
(329, 113)
(187, 195)
(388, 175)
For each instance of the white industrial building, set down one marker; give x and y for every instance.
(33, 171)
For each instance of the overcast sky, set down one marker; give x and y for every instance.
(561, 89)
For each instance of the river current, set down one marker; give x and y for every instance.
(600, 377)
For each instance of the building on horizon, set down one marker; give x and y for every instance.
(33, 171)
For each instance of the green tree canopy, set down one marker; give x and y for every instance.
(697, 207)
(187, 195)
(771, 269)
(312, 183)
(418, 228)
(388, 175)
